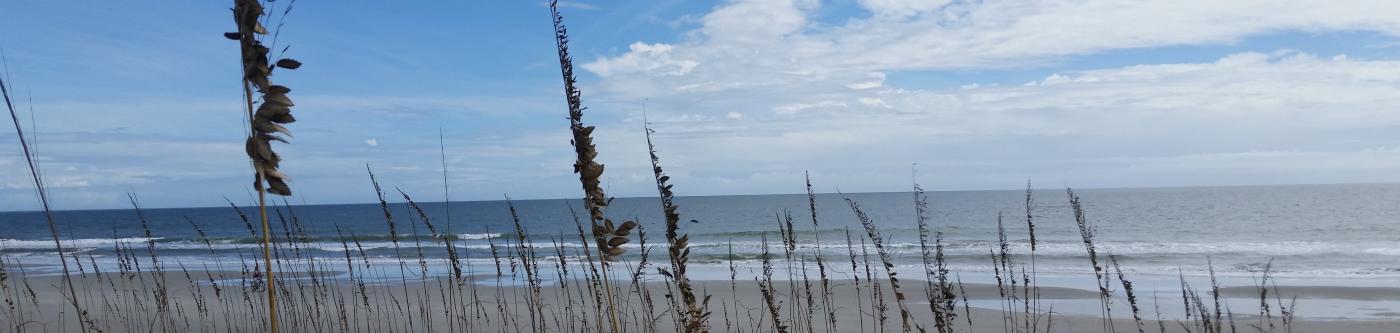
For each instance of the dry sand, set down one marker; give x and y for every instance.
(128, 304)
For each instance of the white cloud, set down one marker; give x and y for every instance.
(877, 79)
(372, 142)
(646, 59)
(754, 23)
(903, 8)
(769, 43)
(824, 85)
(789, 109)
(869, 101)
(1247, 118)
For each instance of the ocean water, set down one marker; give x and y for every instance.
(1309, 232)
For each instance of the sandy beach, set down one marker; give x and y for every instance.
(129, 303)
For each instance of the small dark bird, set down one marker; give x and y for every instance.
(694, 221)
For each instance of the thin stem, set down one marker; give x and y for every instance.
(44, 199)
(262, 213)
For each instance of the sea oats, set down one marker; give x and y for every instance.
(265, 122)
(696, 314)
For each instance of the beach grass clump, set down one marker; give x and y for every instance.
(678, 248)
(939, 293)
(873, 233)
(765, 287)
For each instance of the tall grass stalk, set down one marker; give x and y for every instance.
(1265, 313)
(534, 302)
(608, 238)
(1086, 233)
(42, 192)
(696, 314)
(265, 123)
(1128, 291)
(765, 287)
(830, 309)
(1032, 295)
(855, 276)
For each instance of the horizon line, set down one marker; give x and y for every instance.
(765, 194)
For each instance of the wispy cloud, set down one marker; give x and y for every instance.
(748, 44)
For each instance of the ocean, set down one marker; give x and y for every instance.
(1319, 234)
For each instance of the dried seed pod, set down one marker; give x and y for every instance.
(278, 187)
(269, 138)
(259, 81)
(593, 170)
(617, 241)
(267, 126)
(284, 118)
(622, 232)
(273, 173)
(278, 99)
(270, 110)
(259, 149)
(288, 63)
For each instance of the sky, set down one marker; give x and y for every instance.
(745, 95)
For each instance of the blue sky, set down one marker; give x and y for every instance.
(143, 97)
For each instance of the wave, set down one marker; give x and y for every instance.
(750, 248)
(80, 243)
(361, 238)
(759, 233)
(1385, 251)
(480, 236)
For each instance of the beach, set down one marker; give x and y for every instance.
(127, 303)
(772, 166)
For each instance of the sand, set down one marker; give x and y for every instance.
(130, 303)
